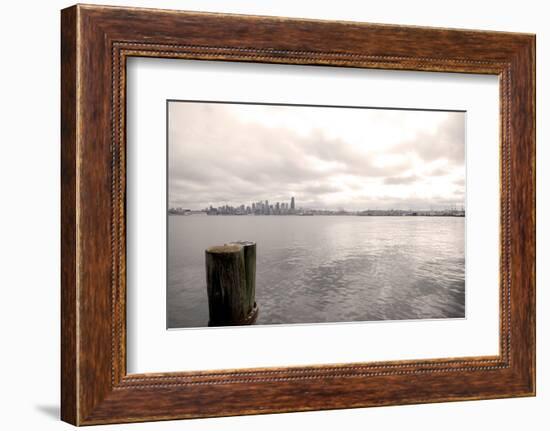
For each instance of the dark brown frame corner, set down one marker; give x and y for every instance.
(95, 43)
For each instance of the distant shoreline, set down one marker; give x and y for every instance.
(316, 215)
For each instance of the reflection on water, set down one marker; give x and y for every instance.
(325, 268)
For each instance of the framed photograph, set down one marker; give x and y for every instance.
(265, 214)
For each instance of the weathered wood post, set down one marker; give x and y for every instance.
(249, 250)
(231, 284)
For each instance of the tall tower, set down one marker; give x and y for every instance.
(292, 204)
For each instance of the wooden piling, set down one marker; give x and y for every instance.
(230, 281)
(249, 250)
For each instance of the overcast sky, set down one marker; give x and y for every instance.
(328, 158)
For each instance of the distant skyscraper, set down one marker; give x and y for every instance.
(292, 203)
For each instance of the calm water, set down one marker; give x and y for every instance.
(325, 268)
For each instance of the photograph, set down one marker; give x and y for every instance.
(303, 214)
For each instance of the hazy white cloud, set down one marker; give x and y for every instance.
(326, 157)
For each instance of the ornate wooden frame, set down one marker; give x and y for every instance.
(95, 43)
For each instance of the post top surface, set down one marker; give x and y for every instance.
(227, 248)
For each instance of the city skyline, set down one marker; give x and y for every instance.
(265, 208)
(329, 158)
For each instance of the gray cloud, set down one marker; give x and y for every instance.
(407, 179)
(320, 189)
(447, 142)
(437, 172)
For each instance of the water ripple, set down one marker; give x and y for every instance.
(326, 269)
